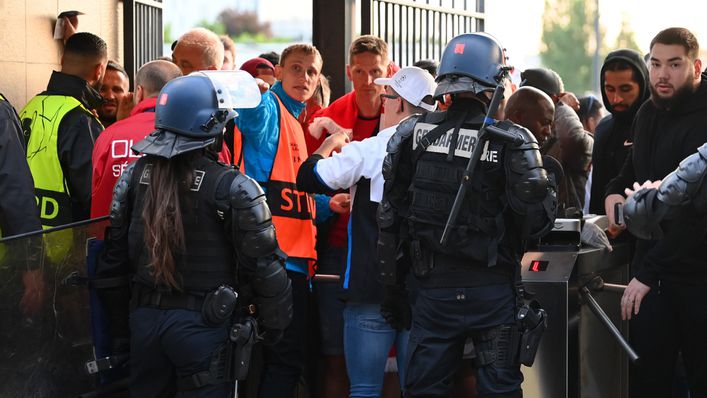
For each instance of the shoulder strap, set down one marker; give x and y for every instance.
(430, 137)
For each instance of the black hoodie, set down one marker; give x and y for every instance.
(663, 138)
(612, 138)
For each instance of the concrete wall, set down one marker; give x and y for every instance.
(28, 52)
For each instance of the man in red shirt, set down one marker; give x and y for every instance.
(111, 153)
(358, 114)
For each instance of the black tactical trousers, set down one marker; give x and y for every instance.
(671, 319)
(442, 320)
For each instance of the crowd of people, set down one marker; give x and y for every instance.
(261, 198)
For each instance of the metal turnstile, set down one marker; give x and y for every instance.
(580, 355)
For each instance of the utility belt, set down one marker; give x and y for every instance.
(231, 360)
(144, 297)
(441, 270)
(216, 307)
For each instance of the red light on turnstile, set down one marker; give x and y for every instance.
(538, 266)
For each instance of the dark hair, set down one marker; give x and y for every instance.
(86, 44)
(162, 214)
(617, 65)
(588, 107)
(429, 65)
(679, 36)
(271, 56)
(112, 65)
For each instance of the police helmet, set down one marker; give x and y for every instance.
(471, 62)
(192, 111)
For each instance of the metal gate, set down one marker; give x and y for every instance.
(419, 29)
(142, 33)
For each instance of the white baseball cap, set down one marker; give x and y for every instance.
(413, 84)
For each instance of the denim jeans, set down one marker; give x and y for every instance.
(367, 342)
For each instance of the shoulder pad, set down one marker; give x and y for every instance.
(118, 206)
(245, 192)
(680, 186)
(529, 140)
(436, 117)
(402, 132)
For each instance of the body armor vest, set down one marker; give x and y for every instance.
(209, 260)
(437, 175)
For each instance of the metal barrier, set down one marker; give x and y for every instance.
(142, 34)
(584, 352)
(419, 29)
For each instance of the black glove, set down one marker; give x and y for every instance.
(395, 308)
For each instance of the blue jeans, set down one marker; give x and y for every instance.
(367, 342)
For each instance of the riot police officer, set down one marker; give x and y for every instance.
(190, 233)
(467, 285)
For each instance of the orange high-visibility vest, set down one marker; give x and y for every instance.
(293, 211)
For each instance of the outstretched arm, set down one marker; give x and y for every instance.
(645, 209)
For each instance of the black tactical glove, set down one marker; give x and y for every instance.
(395, 308)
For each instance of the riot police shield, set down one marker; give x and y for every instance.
(45, 328)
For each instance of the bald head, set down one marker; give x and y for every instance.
(198, 49)
(154, 75)
(532, 109)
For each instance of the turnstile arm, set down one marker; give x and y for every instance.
(599, 312)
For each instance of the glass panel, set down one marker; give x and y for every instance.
(45, 329)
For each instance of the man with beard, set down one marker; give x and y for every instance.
(116, 85)
(665, 299)
(624, 82)
(60, 130)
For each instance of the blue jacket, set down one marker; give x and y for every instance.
(260, 127)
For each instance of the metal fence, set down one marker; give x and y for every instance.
(142, 33)
(419, 29)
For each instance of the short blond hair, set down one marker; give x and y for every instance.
(303, 48)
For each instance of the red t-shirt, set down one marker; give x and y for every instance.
(344, 112)
(112, 153)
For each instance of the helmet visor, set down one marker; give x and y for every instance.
(234, 88)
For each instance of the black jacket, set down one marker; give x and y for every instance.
(18, 209)
(77, 134)
(663, 138)
(612, 138)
